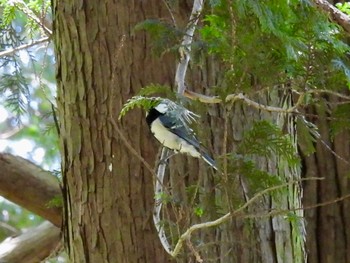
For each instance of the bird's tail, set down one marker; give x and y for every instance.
(209, 160)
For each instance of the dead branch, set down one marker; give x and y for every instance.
(185, 49)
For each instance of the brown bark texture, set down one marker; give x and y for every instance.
(108, 194)
(101, 63)
(261, 239)
(328, 227)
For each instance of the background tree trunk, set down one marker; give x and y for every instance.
(328, 227)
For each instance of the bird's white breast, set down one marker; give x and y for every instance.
(172, 141)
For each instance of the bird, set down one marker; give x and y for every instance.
(169, 123)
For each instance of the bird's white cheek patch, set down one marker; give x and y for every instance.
(162, 107)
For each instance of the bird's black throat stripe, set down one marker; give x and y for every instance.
(152, 115)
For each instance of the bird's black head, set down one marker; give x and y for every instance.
(155, 112)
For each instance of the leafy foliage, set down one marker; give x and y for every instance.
(344, 7)
(257, 179)
(274, 41)
(267, 139)
(157, 89)
(164, 35)
(26, 87)
(140, 102)
(16, 88)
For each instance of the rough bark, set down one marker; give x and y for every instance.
(328, 227)
(275, 239)
(109, 194)
(29, 186)
(33, 246)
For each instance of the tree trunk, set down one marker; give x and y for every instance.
(328, 227)
(108, 193)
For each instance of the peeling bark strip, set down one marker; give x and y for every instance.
(29, 186)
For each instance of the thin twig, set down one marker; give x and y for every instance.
(22, 6)
(284, 211)
(194, 251)
(130, 147)
(180, 84)
(187, 234)
(331, 92)
(25, 46)
(170, 12)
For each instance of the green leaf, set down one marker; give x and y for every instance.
(164, 36)
(157, 88)
(267, 139)
(257, 179)
(140, 102)
(198, 211)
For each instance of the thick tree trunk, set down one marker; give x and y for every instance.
(100, 64)
(108, 193)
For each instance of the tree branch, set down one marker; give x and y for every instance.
(25, 46)
(180, 75)
(29, 186)
(32, 246)
(187, 234)
(158, 202)
(185, 48)
(336, 15)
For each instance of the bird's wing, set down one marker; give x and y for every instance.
(177, 127)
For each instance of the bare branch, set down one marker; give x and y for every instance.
(336, 15)
(200, 97)
(180, 84)
(186, 47)
(25, 46)
(158, 202)
(276, 212)
(187, 234)
(29, 186)
(240, 96)
(32, 246)
(130, 147)
(8, 230)
(331, 92)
